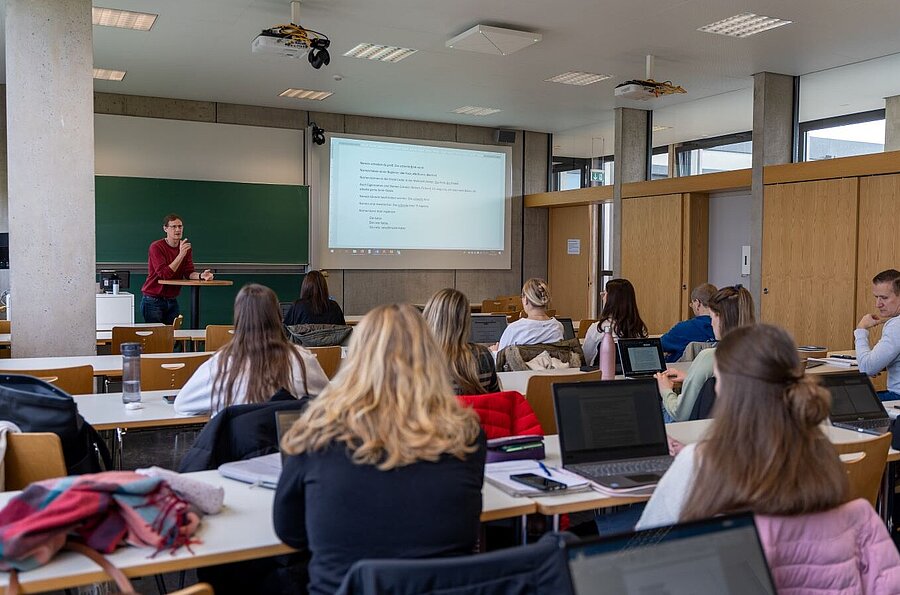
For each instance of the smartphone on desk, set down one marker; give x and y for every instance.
(170, 399)
(533, 480)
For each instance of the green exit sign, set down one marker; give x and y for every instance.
(597, 175)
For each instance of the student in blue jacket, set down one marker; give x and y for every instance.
(698, 328)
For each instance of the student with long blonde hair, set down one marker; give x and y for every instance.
(765, 452)
(255, 364)
(537, 327)
(472, 369)
(385, 463)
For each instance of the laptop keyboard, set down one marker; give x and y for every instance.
(869, 424)
(650, 465)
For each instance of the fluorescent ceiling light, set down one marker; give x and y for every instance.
(105, 74)
(124, 19)
(578, 78)
(382, 53)
(304, 94)
(744, 25)
(471, 110)
(660, 128)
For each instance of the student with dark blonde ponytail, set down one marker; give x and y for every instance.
(765, 452)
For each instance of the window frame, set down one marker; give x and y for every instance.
(683, 150)
(834, 122)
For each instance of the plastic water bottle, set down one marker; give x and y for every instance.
(607, 355)
(131, 373)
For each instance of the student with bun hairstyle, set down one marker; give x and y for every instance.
(730, 308)
(765, 452)
(472, 368)
(620, 315)
(538, 327)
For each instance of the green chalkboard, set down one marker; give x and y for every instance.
(226, 222)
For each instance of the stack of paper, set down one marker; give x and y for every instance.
(498, 474)
(643, 490)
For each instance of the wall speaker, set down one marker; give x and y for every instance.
(505, 136)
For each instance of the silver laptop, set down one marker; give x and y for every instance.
(641, 357)
(265, 470)
(612, 431)
(855, 404)
(487, 329)
(721, 555)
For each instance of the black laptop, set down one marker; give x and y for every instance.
(721, 555)
(854, 403)
(641, 357)
(487, 329)
(568, 328)
(612, 431)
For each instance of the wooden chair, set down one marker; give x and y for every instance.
(163, 373)
(865, 471)
(4, 326)
(32, 457)
(77, 380)
(153, 339)
(179, 320)
(198, 589)
(539, 395)
(218, 335)
(491, 306)
(583, 325)
(329, 358)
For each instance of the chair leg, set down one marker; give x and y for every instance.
(160, 584)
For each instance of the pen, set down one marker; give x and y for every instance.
(895, 407)
(547, 471)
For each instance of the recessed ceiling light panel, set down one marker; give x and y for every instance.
(660, 128)
(471, 110)
(106, 74)
(305, 94)
(123, 19)
(382, 53)
(578, 78)
(744, 25)
(493, 40)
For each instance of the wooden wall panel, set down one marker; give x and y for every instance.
(570, 273)
(695, 240)
(652, 257)
(809, 260)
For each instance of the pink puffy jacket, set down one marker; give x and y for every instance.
(845, 550)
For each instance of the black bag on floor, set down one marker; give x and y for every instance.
(37, 406)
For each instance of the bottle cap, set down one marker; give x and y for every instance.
(131, 349)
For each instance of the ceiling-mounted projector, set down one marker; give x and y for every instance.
(293, 41)
(267, 43)
(642, 90)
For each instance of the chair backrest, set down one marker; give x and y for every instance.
(4, 326)
(539, 394)
(179, 320)
(693, 348)
(153, 339)
(198, 589)
(490, 306)
(329, 358)
(218, 335)
(162, 373)
(865, 472)
(77, 380)
(583, 325)
(32, 457)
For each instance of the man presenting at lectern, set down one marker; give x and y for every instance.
(169, 258)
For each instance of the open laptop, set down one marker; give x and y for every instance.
(264, 471)
(719, 555)
(568, 328)
(612, 431)
(641, 357)
(854, 403)
(487, 329)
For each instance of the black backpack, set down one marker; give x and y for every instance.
(37, 406)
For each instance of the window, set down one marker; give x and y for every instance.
(570, 173)
(659, 166)
(710, 155)
(842, 136)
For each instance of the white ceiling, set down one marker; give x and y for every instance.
(200, 49)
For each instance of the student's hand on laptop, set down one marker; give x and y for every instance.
(674, 446)
(667, 380)
(869, 320)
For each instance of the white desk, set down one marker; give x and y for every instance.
(105, 411)
(105, 337)
(104, 365)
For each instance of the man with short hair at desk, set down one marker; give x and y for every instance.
(168, 258)
(886, 353)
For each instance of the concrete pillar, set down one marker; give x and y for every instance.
(632, 160)
(50, 142)
(773, 143)
(892, 123)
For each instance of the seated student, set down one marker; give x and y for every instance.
(538, 327)
(766, 453)
(472, 369)
(386, 462)
(314, 305)
(886, 353)
(620, 314)
(730, 308)
(696, 329)
(255, 364)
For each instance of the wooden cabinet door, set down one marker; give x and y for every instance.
(809, 260)
(570, 272)
(652, 257)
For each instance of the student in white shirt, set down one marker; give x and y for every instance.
(255, 364)
(538, 327)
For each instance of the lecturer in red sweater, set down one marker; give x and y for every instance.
(169, 258)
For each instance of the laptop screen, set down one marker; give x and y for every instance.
(641, 356)
(852, 397)
(487, 329)
(568, 328)
(609, 420)
(719, 555)
(283, 422)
